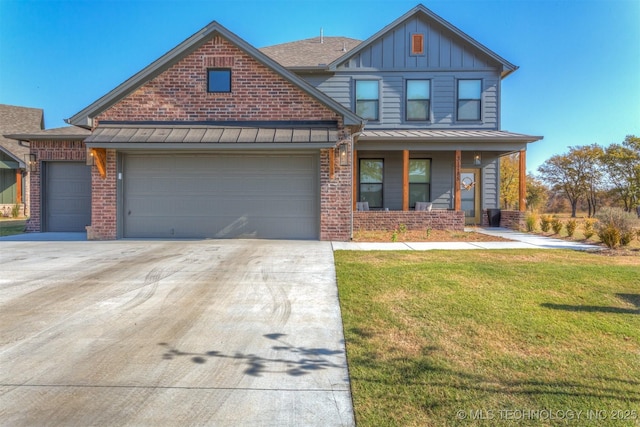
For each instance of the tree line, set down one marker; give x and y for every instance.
(588, 176)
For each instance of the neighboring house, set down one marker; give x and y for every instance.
(219, 139)
(14, 185)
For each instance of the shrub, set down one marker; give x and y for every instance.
(587, 227)
(531, 221)
(545, 222)
(556, 224)
(571, 226)
(615, 226)
(15, 211)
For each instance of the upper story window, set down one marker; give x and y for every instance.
(218, 80)
(469, 99)
(367, 99)
(417, 44)
(418, 99)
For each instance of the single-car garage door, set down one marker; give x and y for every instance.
(221, 195)
(67, 196)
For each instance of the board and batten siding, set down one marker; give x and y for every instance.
(442, 51)
(392, 97)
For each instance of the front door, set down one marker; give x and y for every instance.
(470, 195)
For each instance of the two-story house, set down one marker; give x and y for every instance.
(311, 139)
(431, 98)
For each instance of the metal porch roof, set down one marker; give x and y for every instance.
(446, 135)
(120, 136)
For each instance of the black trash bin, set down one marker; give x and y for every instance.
(494, 217)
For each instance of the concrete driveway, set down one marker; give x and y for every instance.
(150, 333)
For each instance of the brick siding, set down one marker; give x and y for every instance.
(413, 220)
(514, 220)
(104, 201)
(180, 92)
(258, 94)
(336, 199)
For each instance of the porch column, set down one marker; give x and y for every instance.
(457, 201)
(523, 181)
(18, 186)
(405, 180)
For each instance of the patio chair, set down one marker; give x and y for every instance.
(424, 206)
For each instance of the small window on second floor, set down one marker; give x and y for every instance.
(218, 80)
(418, 99)
(367, 99)
(469, 99)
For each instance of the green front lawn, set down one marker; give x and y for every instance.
(442, 338)
(9, 227)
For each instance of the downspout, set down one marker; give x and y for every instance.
(354, 140)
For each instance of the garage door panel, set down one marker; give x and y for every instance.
(67, 196)
(231, 195)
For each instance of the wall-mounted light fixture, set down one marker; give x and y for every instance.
(32, 162)
(90, 157)
(477, 159)
(344, 155)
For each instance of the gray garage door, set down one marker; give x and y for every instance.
(221, 196)
(67, 195)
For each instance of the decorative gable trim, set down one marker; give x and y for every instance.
(212, 32)
(422, 11)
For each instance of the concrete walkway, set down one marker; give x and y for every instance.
(517, 240)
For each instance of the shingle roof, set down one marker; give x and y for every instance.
(310, 53)
(14, 119)
(66, 132)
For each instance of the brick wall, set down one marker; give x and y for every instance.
(49, 151)
(336, 199)
(180, 92)
(421, 220)
(258, 94)
(515, 220)
(104, 201)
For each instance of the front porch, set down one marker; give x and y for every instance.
(458, 173)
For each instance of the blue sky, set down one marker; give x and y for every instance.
(578, 82)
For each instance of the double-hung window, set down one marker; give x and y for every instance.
(367, 99)
(418, 99)
(371, 176)
(419, 181)
(469, 99)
